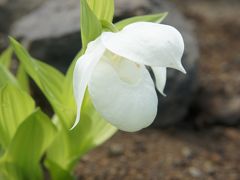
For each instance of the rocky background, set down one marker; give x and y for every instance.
(201, 114)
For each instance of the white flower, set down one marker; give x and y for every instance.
(114, 70)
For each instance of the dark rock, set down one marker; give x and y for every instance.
(10, 10)
(3, 42)
(4, 20)
(55, 50)
(180, 88)
(52, 34)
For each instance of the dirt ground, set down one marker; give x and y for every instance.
(196, 151)
(167, 154)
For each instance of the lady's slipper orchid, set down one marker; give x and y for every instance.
(114, 70)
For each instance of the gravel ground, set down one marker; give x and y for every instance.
(166, 154)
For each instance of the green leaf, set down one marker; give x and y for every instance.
(6, 57)
(23, 78)
(107, 26)
(5, 74)
(15, 106)
(157, 18)
(6, 77)
(10, 171)
(28, 146)
(90, 25)
(47, 78)
(57, 173)
(92, 131)
(1, 151)
(103, 9)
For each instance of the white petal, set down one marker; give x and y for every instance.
(124, 94)
(83, 71)
(147, 43)
(160, 74)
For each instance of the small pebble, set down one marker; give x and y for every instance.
(180, 163)
(232, 134)
(187, 152)
(85, 158)
(194, 172)
(216, 158)
(116, 150)
(209, 168)
(140, 147)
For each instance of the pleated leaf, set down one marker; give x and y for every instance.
(90, 25)
(22, 78)
(103, 9)
(47, 78)
(157, 18)
(57, 173)
(92, 131)
(15, 106)
(6, 57)
(6, 77)
(28, 146)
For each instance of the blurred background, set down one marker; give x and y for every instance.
(196, 134)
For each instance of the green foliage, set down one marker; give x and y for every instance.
(92, 131)
(15, 106)
(27, 148)
(103, 9)
(57, 173)
(6, 77)
(157, 18)
(107, 26)
(47, 78)
(68, 146)
(90, 25)
(5, 57)
(22, 78)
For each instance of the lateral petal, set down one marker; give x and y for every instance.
(83, 71)
(160, 74)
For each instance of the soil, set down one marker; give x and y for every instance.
(170, 154)
(195, 151)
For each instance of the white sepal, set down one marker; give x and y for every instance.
(147, 43)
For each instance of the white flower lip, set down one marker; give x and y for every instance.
(113, 69)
